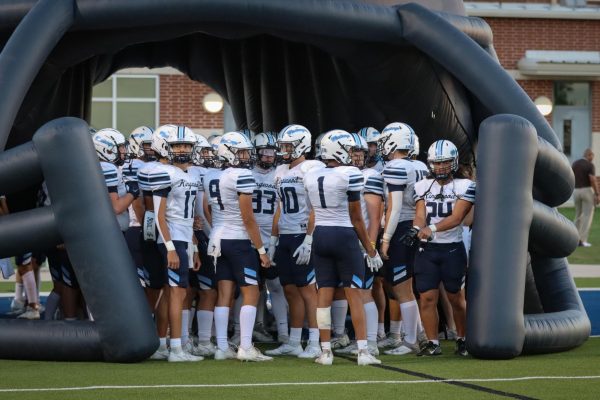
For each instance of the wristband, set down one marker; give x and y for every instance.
(433, 228)
(195, 247)
(261, 250)
(170, 246)
(374, 244)
(416, 227)
(386, 237)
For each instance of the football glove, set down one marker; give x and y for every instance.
(132, 188)
(375, 262)
(410, 238)
(303, 251)
(273, 242)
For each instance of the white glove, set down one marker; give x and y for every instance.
(214, 249)
(273, 242)
(375, 262)
(303, 251)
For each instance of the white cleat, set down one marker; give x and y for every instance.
(252, 354)
(326, 358)
(352, 348)
(228, 354)
(161, 354)
(30, 313)
(188, 346)
(17, 307)
(365, 358)
(286, 349)
(339, 341)
(373, 349)
(404, 348)
(183, 356)
(205, 349)
(390, 341)
(312, 350)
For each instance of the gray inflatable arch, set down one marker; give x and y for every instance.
(326, 64)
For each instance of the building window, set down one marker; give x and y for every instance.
(125, 102)
(571, 94)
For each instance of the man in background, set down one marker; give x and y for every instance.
(586, 195)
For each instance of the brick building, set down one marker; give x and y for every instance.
(548, 46)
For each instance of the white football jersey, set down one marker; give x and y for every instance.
(440, 201)
(401, 174)
(222, 188)
(328, 190)
(373, 184)
(379, 166)
(114, 179)
(143, 175)
(264, 200)
(293, 218)
(130, 170)
(181, 189)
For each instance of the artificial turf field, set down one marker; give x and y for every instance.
(569, 375)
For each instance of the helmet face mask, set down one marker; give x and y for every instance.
(359, 152)
(442, 158)
(266, 149)
(181, 152)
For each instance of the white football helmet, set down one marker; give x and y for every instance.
(214, 141)
(318, 146)
(107, 142)
(440, 151)
(266, 146)
(181, 135)
(338, 145)
(230, 145)
(370, 134)
(203, 152)
(299, 137)
(159, 140)
(139, 136)
(248, 133)
(396, 136)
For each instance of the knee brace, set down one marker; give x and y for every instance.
(324, 318)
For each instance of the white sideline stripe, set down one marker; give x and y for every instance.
(267, 384)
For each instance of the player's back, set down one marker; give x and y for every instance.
(373, 184)
(328, 190)
(223, 188)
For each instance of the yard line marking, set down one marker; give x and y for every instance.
(275, 384)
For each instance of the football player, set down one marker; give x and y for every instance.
(371, 201)
(374, 159)
(400, 175)
(442, 203)
(202, 280)
(334, 195)
(291, 240)
(265, 202)
(174, 196)
(234, 232)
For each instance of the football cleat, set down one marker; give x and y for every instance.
(365, 358)
(17, 306)
(391, 340)
(431, 349)
(352, 348)
(286, 349)
(182, 356)
(339, 341)
(205, 349)
(404, 348)
(326, 358)
(228, 354)
(30, 313)
(461, 348)
(312, 350)
(252, 354)
(161, 354)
